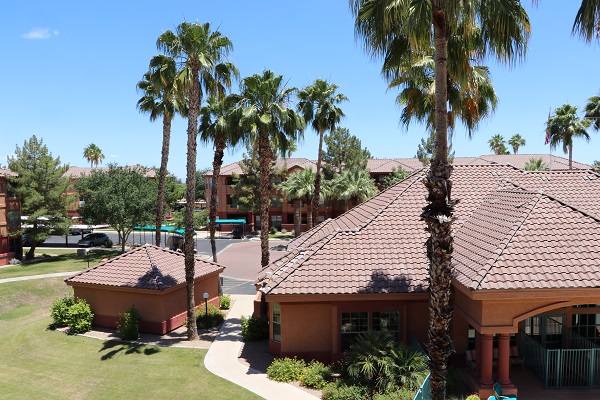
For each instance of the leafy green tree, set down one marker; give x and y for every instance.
(592, 111)
(516, 141)
(353, 186)
(162, 97)
(218, 128)
(497, 145)
(201, 53)
(396, 176)
(262, 112)
(121, 197)
(596, 166)
(344, 151)
(318, 105)
(427, 148)
(536, 164)
(41, 187)
(93, 154)
(299, 187)
(200, 184)
(406, 30)
(200, 219)
(564, 126)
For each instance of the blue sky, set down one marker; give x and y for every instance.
(70, 69)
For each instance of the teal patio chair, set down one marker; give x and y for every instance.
(498, 394)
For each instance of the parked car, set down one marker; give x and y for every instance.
(27, 243)
(237, 233)
(94, 239)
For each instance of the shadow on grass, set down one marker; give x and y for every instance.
(114, 347)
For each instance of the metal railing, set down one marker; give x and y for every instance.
(424, 391)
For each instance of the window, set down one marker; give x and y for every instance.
(353, 323)
(276, 318)
(208, 184)
(13, 218)
(387, 321)
(276, 221)
(231, 201)
(276, 203)
(229, 181)
(290, 218)
(587, 326)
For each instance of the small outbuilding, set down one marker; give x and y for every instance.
(150, 278)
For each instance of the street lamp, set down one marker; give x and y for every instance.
(205, 295)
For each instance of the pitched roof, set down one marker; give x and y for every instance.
(288, 163)
(519, 160)
(378, 246)
(7, 172)
(76, 172)
(146, 267)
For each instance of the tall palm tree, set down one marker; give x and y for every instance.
(262, 111)
(217, 127)
(299, 186)
(564, 126)
(592, 111)
(497, 144)
(93, 154)
(406, 29)
(354, 186)
(162, 96)
(587, 20)
(200, 52)
(318, 104)
(516, 141)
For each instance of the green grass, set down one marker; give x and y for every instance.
(56, 261)
(41, 363)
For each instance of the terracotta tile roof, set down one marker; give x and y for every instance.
(385, 165)
(7, 172)
(76, 172)
(519, 160)
(146, 267)
(290, 163)
(378, 246)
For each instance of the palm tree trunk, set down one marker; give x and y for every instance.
(315, 200)
(162, 176)
(309, 213)
(264, 155)
(190, 199)
(297, 218)
(438, 217)
(570, 157)
(212, 217)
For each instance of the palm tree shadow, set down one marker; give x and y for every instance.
(114, 347)
(381, 282)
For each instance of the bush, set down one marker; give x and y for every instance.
(129, 325)
(283, 230)
(108, 244)
(80, 317)
(215, 317)
(272, 230)
(60, 311)
(400, 394)
(341, 391)
(316, 375)
(14, 261)
(472, 397)
(255, 328)
(225, 302)
(286, 369)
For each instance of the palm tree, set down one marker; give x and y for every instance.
(299, 186)
(536, 164)
(200, 52)
(497, 144)
(353, 186)
(592, 111)
(216, 127)
(93, 154)
(405, 30)
(565, 125)
(587, 20)
(516, 141)
(262, 111)
(318, 104)
(162, 96)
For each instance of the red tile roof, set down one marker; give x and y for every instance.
(7, 172)
(76, 172)
(146, 267)
(378, 246)
(553, 162)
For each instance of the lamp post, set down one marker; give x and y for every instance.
(205, 295)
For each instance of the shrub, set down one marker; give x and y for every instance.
(225, 302)
(286, 369)
(472, 397)
(316, 375)
(80, 317)
(283, 230)
(215, 317)
(255, 328)
(60, 311)
(400, 394)
(108, 244)
(272, 230)
(129, 325)
(14, 261)
(341, 391)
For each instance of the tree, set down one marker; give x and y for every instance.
(262, 111)
(299, 187)
(162, 97)
(217, 127)
(396, 176)
(592, 111)
(587, 20)
(564, 126)
(427, 148)
(536, 164)
(200, 52)
(121, 197)
(596, 166)
(41, 187)
(200, 184)
(344, 151)
(497, 144)
(516, 141)
(353, 186)
(93, 154)
(318, 105)
(407, 30)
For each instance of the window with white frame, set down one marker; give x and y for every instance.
(276, 319)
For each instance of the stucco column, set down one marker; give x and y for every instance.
(487, 355)
(504, 358)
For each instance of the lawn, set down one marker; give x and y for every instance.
(56, 260)
(41, 363)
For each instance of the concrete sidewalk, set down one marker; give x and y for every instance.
(30, 277)
(222, 358)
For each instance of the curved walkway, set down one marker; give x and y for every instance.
(222, 358)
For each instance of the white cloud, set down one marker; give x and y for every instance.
(40, 33)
